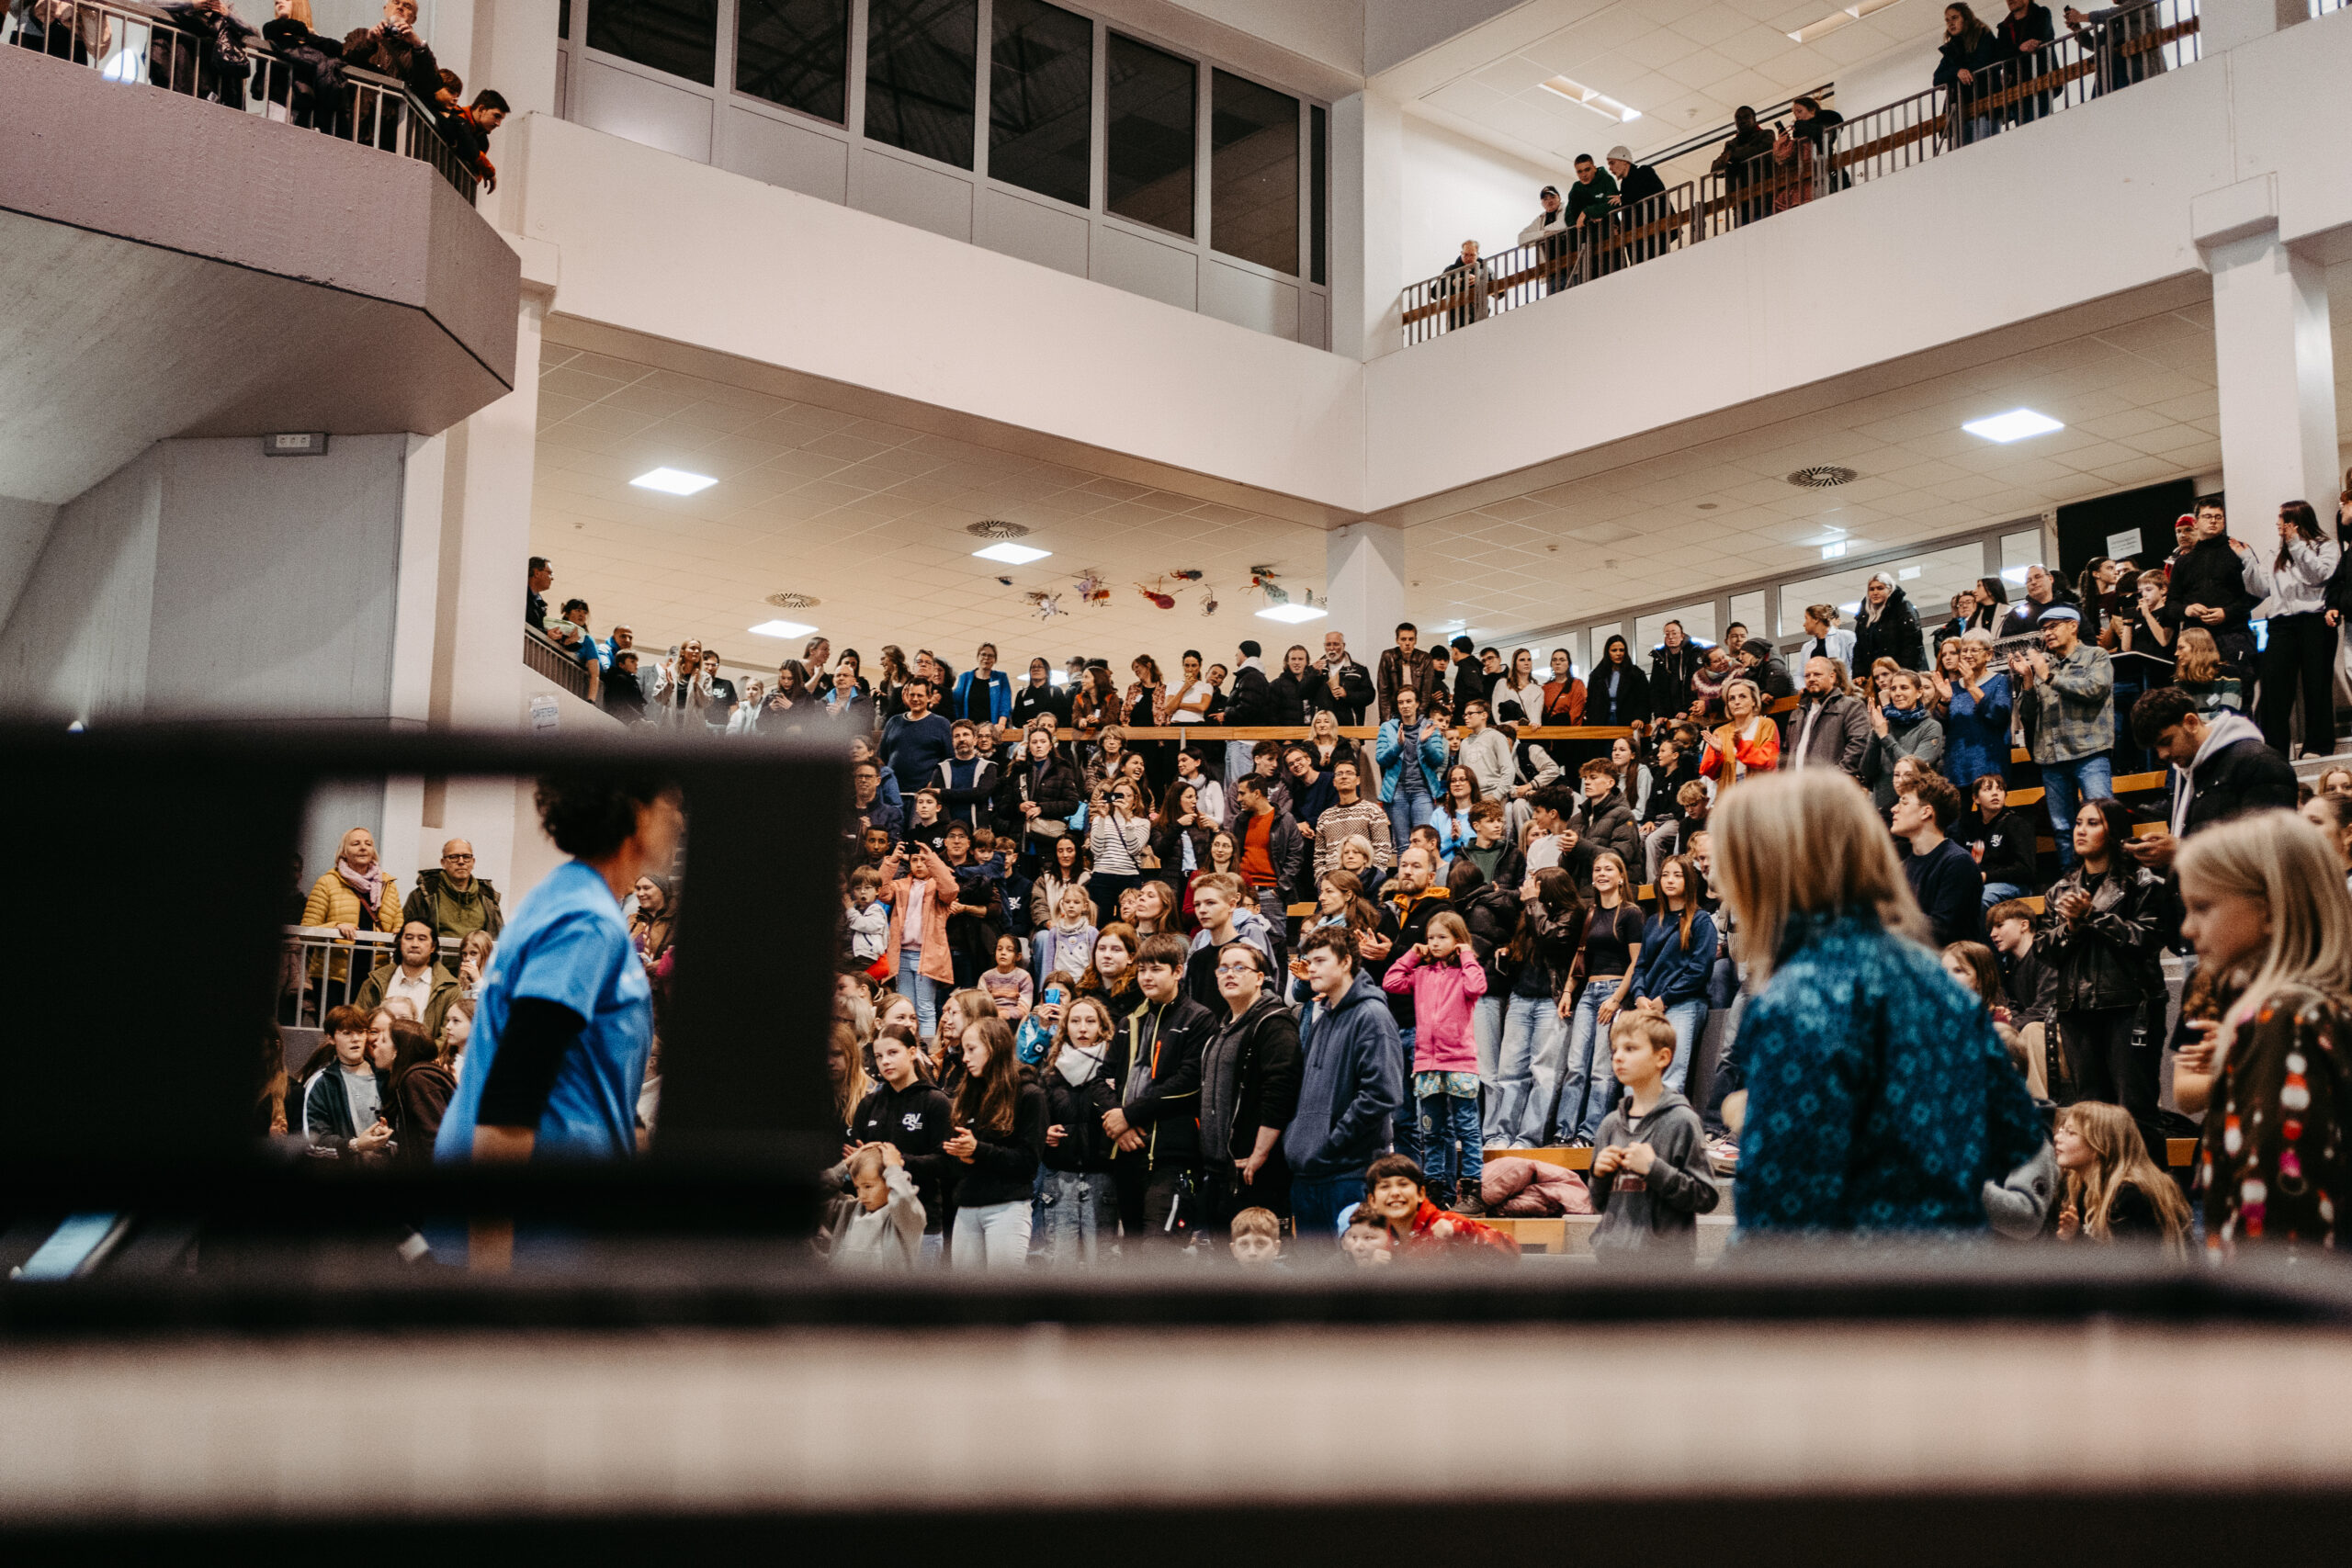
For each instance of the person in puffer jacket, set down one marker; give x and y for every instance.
(1445, 979)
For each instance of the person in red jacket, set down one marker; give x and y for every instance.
(1395, 1190)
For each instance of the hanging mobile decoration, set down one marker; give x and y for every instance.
(1092, 590)
(1164, 599)
(1208, 602)
(1045, 606)
(1189, 574)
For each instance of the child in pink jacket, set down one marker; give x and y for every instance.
(1445, 980)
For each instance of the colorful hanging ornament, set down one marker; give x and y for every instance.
(1188, 575)
(1164, 600)
(1045, 606)
(1208, 602)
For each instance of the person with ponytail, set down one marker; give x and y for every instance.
(2298, 652)
(2266, 909)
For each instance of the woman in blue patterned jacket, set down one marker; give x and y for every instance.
(1878, 1097)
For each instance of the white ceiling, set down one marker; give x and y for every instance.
(868, 514)
(1684, 64)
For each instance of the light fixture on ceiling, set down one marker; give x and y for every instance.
(2015, 574)
(1831, 552)
(2014, 425)
(782, 628)
(1907, 574)
(1838, 19)
(674, 482)
(1291, 615)
(1011, 554)
(1598, 103)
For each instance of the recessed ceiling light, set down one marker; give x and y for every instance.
(1057, 677)
(1907, 574)
(1598, 103)
(1291, 615)
(1838, 19)
(1831, 552)
(2014, 425)
(780, 628)
(674, 482)
(1013, 555)
(2015, 575)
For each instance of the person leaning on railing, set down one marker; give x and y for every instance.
(1550, 230)
(390, 48)
(309, 86)
(207, 50)
(60, 27)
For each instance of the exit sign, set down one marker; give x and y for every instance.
(294, 444)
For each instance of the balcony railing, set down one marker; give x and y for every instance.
(558, 664)
(135, 45)
(2078, 67)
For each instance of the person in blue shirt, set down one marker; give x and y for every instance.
(915, 742)
(1879, 1100)
(564, 1020)
(1677, 955)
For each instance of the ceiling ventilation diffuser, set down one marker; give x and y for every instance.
(1824, 476)
(794, 601)
(996, 528)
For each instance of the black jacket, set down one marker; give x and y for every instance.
(1772, 675)
(1607, 824)
(1032, 703)
(1077, 1111)
(915, 1120)
(313, 73)
(1957, 55)
(1894, 635)
(1250, 1073)
(2110, 958)
(1950, 891)
(1289, 695)
(1168, 1111)
(1005, 1166)
(2210, 573)
(2008, 846)
(2032, 989)
(1640, 183)
(408, 59)
(1670, 673)
(1052, 784)
(1841, 735)
(1252, 699)
(1633, 704)
(2246, 775)
(1355, 684)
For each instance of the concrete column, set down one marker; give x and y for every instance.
(2273, 357)
(1364, 565)
(485, 549)
(510, 46)
(1367, 226)
(2226, 24)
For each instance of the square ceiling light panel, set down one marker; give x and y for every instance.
(2014, 425)
(674, 482)
(780, 628)
(1011, 554)
(1291, 615)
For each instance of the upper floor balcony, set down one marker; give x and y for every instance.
(204, 244)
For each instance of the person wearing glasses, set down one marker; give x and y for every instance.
(452, 899)
(1250, 1074)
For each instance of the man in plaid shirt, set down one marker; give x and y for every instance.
(2066, 699)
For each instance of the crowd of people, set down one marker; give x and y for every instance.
(205, 50)
(1618, 211)
(1104, 992)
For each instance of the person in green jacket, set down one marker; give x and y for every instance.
(1589, 205)
(453, 900)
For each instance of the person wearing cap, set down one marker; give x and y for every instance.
(2065, 696)
(1636, 183)
(1550, 230)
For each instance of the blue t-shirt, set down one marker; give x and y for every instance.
(566, 944)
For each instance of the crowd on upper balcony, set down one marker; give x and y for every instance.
(206, 50)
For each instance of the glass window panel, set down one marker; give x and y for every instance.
(1749, 609)
(794, 52)
(1253, 173)
(921, 57)
(564, 19)
(1041, 80)
(1319, 186)
(1595, 642)
(1151, 135)
(2019, 551)
(680, 37)
(1928, 581)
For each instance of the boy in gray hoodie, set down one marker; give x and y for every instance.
(1650, 1177)
(883, 1225)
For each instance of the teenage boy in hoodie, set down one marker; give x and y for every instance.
(1351, 1085)
(2220, 767)
(1155, 1059)
(912, 1117)
(1226, 914)
(1650, 1176)
(2000, 839)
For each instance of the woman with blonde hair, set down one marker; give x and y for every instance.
(2198, 672)
(1878, 1096)
(355, 894)
(1747, 743)
(2272, 924)
(2114, 1191)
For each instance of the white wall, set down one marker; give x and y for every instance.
(24, 528)
(722, 262)
(1457, 189)
(1895, 75)
(74, 648)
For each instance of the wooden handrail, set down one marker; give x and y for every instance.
(1347, 732)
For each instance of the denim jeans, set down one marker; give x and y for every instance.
(2066, 785)
(1240, 758)
(1518, 1111)
(1316, 1203)
(1450, 1138)
(1689, 1019)
(1587, 1084)
(994, 1235)
(912, 982)
(1407, 812)
(1487, 1036)
(1077, 1216)
(1996, 891)
(1405, 1127)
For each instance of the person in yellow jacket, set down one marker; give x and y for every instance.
(357, 895)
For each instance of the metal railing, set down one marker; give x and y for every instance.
(320, 970)
(560, 664)
(1795, 169)
(2322, 8)
(136, 45)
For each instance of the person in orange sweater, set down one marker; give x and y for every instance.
(1749, 742)
(1395, 1190)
